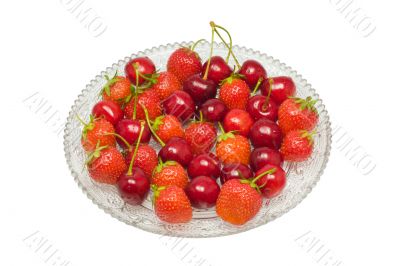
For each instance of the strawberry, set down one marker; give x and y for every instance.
(239, 201)
(171, 204)
(106, 164)
(150, 100)
(184, 63)
(165, 127)
(297, 114)
(117, 89)
(166, 84)
(169, 173)
(201, 136)
(234, 92)
(97, 130)
(146, 159)
(297, 146)
(233, 148)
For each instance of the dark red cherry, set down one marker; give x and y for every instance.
(145, 67)
(262, 156)
(252, 71)
(258, 108)
(219, 69)
(200, 89)
(179, 104)
(214, 110)
(109, 110)
(129, 129)
(134, 187)
(238, 120)
(273, 183)
(204, 164)
(176, 149)
(235, 171)
(202, 192)
(282, 88)
(266, 133)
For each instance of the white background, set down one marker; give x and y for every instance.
(47, 53)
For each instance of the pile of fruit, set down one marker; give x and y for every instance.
(223, 132)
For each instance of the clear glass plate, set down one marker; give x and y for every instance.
(301, 177)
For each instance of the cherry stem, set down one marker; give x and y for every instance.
(226, 44)
(259, 81)
(211, 50)
(120, 137)
(269, 171)
(136, 93)
(136, 148)
(196, 43)
(265, 105)
(146, 113)
(221, 127)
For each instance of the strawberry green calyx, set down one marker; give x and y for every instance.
(109, 83)
(268, 97)
(96, 153)
(86, 126)
(308, 135)
(231, 78)
(225, 135)
(162, 164)
(253, 182)
(136, 148)
(146, 113)
(156, 192)
(307, 103)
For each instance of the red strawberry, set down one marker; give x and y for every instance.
(297, 114)
(106, 164)
(171, 204)
(297, 146)
(169, 173)
(201, 136)
(146, 159)
(97, 130)
(239, 201)
(184, 63)
(234, 92)
(233, 148)
(150, 100)
(117, 89)
(165, 127)
(166, 84)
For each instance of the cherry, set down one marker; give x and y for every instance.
(200, 89)
(109, 110)
(133, 185)
(282, 88)
(265, 133)
(219, 69)
(179, 104)
(261, 156)
(239, 121)
(214, 110)
(272, 183)
(259, 106)
(144, 66)
(176, 149)
(129, 130)
(204, 164)
(235, 171)
(203, 192)
(252, 72)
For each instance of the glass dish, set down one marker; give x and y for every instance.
(301, 177)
